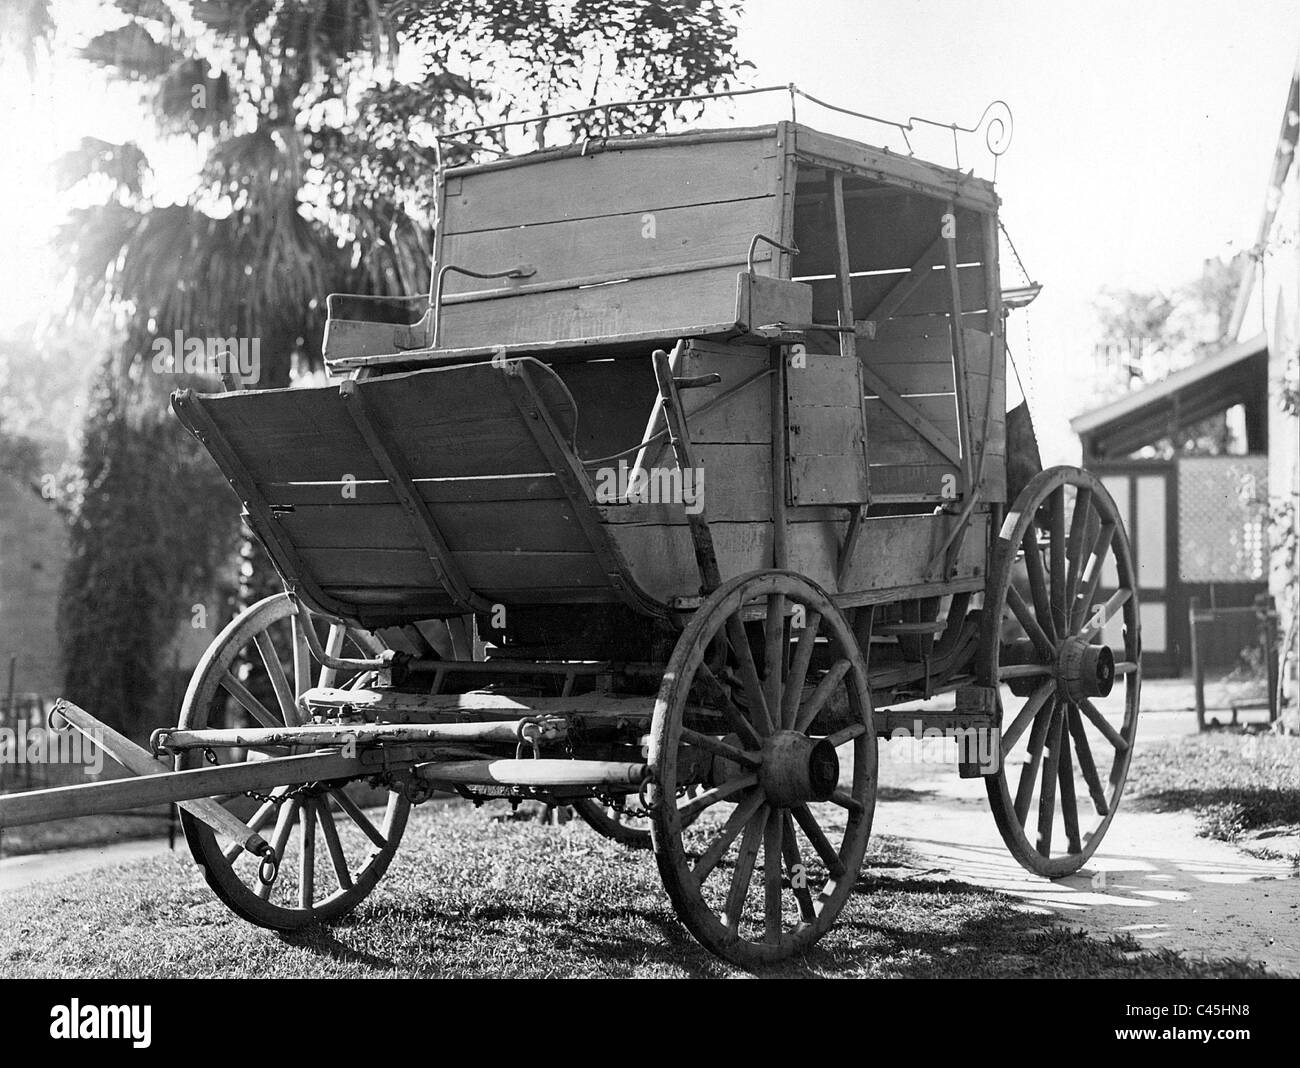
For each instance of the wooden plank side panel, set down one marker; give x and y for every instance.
(607, 247)
(609, 183)
(669, 305)
(516, 526)
(486, 571)
(896, 550)
(663, 564)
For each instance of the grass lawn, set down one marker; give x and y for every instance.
(1243, 786)
(471, 895)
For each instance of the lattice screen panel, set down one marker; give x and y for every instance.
(1222, 518)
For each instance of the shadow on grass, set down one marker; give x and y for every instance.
(1227, 812)
(323, 941)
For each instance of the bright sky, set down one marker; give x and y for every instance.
(1143, 136)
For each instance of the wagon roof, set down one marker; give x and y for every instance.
(806, 142)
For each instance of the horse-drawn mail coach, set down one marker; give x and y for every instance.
(687, 472)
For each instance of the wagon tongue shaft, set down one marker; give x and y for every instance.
(140, 761)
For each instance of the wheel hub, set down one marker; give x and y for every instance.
(1084, 669)
(797, 768)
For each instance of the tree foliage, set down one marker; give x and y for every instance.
(1146, 334)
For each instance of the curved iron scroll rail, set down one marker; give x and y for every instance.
(996, 120)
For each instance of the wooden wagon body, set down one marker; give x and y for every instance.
(690, 467)
(853, 472)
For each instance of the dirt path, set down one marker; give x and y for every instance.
(1152, 878)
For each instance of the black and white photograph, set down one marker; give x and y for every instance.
(649, 489)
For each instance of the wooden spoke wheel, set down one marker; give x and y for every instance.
(758, 876)
(1060, 636)
(331, 852)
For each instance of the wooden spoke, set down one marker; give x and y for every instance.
(744, 870)
(283, 826)
(1086, 765)
(773, 655)
(758, 710)
(772, 838)
(1057, 562)
(1047, 795)
(1069, 805)
(846, 734)
(1038, 584)
(832, 679)
(846, 801)
(251, 704)
(1035, 633)
(795, 869)
(720, 748)
(1091, 577)
(1074, 555)
(1100, 722)
(284, 693)
(359, 818)
(736, 719)
(258, 821)
(302, 661)
(331, 835)
(333, 647)
(1102, 615)
(817, 838)
(1029, 773)
(794, 683)
(692, 807)
(740, 816)
(1027, 715)
(307, 857)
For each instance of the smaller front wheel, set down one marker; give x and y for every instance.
(331, 852)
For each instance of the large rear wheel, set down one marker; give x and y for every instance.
(1062, 585)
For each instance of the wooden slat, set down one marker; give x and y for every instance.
(546, 525)
(609, 183)
(917, 481)
(667, 305)
(482, 490)
(826, 149)
(485, 571)
(610, 246)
